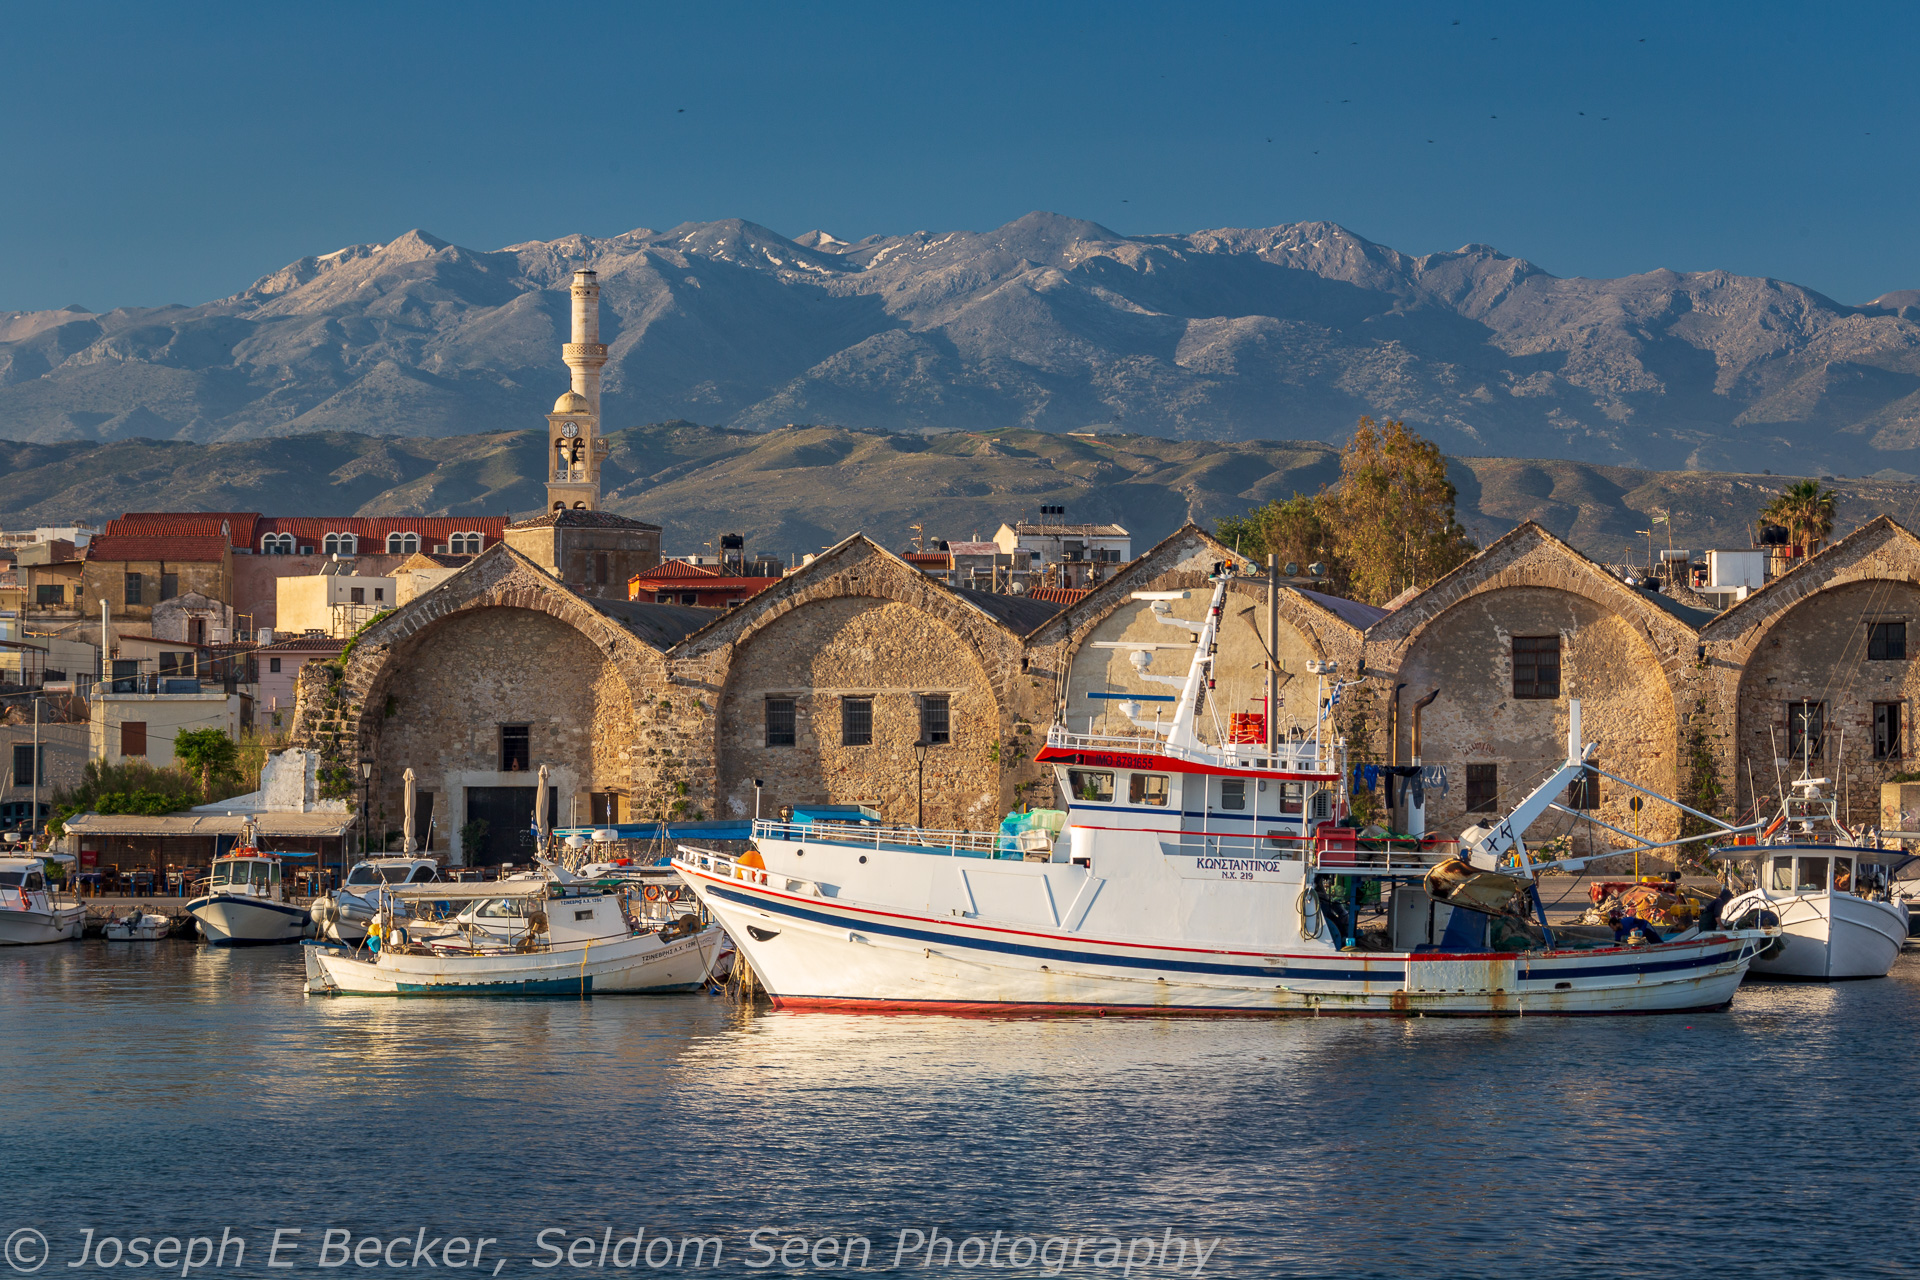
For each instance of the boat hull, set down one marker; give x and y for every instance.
(820, 953)
(33, 927)
(641, 964)
(1829, 937)
(228, 920)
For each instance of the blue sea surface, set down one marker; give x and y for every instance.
(174, 1090)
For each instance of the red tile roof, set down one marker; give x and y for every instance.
(1059, 595)
(722, 589)
(675, 569)
(305, 644)
(144, 546)
(205, 524)
(432, 529)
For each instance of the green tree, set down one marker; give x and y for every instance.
(210, 751)
(1395, 525)
(132, 787)
(1806, 510)
(1297, 530)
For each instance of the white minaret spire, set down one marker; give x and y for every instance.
(574, 447)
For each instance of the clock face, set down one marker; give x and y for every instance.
(570, 430)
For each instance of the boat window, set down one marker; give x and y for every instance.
(34, 882)
(1147, 788)
(363, 874)
(1783, 874)
(1091, 784)
(502, 908)
(1843, 875)
(1233, 793)
(1292, 794)
(394, 875)
(273, 872)
(220, 872)
(1813, 874)
(12, 879)
(422, 874)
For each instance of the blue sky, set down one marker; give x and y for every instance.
(175, 153)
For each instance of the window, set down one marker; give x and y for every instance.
(1536, 666)
(1584, 792)
(273, 665)
(1483, 788)
(1843, 875)
(1887, 642)
(277, 544)
(345, 544)
(1886, 731)
(663, 597)
(133, 737)
(606, 808)
(514, 749)
(1783, 874)
(1806, 729)
(402, 544)
(133, 588)
(379, 594)
(689, 597)
(465, 544)
(169, 663)
(1233, 793)
(1091, 784)
(169, 585)
(856, 722)
(1292, 796)
(49, 593)
(780, 722)
(600, 571)
(1147, 788)
(356, 595)
(23, 771)
(936, 720)
(1813, 875)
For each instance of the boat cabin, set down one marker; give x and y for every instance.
(1800, 872)
(376, 871)
(22, 874)
(249, 873)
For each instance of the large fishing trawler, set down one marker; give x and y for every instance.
(1191, 877)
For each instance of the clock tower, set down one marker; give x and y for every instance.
(574, 446)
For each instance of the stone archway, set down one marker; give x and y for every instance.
(893, 654)
(1818, 654)
(1467, 652)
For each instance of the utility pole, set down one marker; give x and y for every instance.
(34, 825)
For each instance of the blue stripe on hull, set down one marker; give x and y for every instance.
(1558, 968)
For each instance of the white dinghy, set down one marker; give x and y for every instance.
(1192, 878)
(138, 925)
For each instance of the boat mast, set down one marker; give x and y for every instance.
(1181, 737)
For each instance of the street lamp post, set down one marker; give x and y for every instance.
(366, 782)
(757, 784)
(920, 757)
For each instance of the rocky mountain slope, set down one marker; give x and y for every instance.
(794, 490)
(1048, 322)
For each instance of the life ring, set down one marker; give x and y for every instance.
(651, 893)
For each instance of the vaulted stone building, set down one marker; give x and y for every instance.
(820, 686)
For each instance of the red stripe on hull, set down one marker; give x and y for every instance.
(987, 1009)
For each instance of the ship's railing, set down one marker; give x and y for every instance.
(876, 836)
(1301, 756)
(1331, 855)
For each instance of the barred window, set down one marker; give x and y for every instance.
(856, 722)
(1483, 788)
(780, 722)
(936, 720)
(1806, 729)
(1886, 731)
(1887, 642)
(1536, 666)
(515, 748)
(133, 588)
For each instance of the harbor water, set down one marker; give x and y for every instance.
(175, 1090)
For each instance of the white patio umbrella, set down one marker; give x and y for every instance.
(540, 811)
(406, 835)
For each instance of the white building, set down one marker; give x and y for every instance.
(1066, 555)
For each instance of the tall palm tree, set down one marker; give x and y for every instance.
(1806, 510)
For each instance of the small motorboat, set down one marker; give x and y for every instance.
(32, 910)
(1830, 894)
(560, 940)
(343, 915)
(138, 925)
(246, 902)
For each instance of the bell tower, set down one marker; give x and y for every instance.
(574, 446)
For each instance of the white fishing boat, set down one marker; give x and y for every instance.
(1830, 894)
(246, 899)
(344, 914)
(567, 941)
(32, 910)
(138, 925)
(1191, 878)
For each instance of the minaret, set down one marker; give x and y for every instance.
(574, 447)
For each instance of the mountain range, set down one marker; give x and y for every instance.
(1049, 323)
(792, 490)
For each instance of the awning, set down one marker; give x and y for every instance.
(270, 825)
